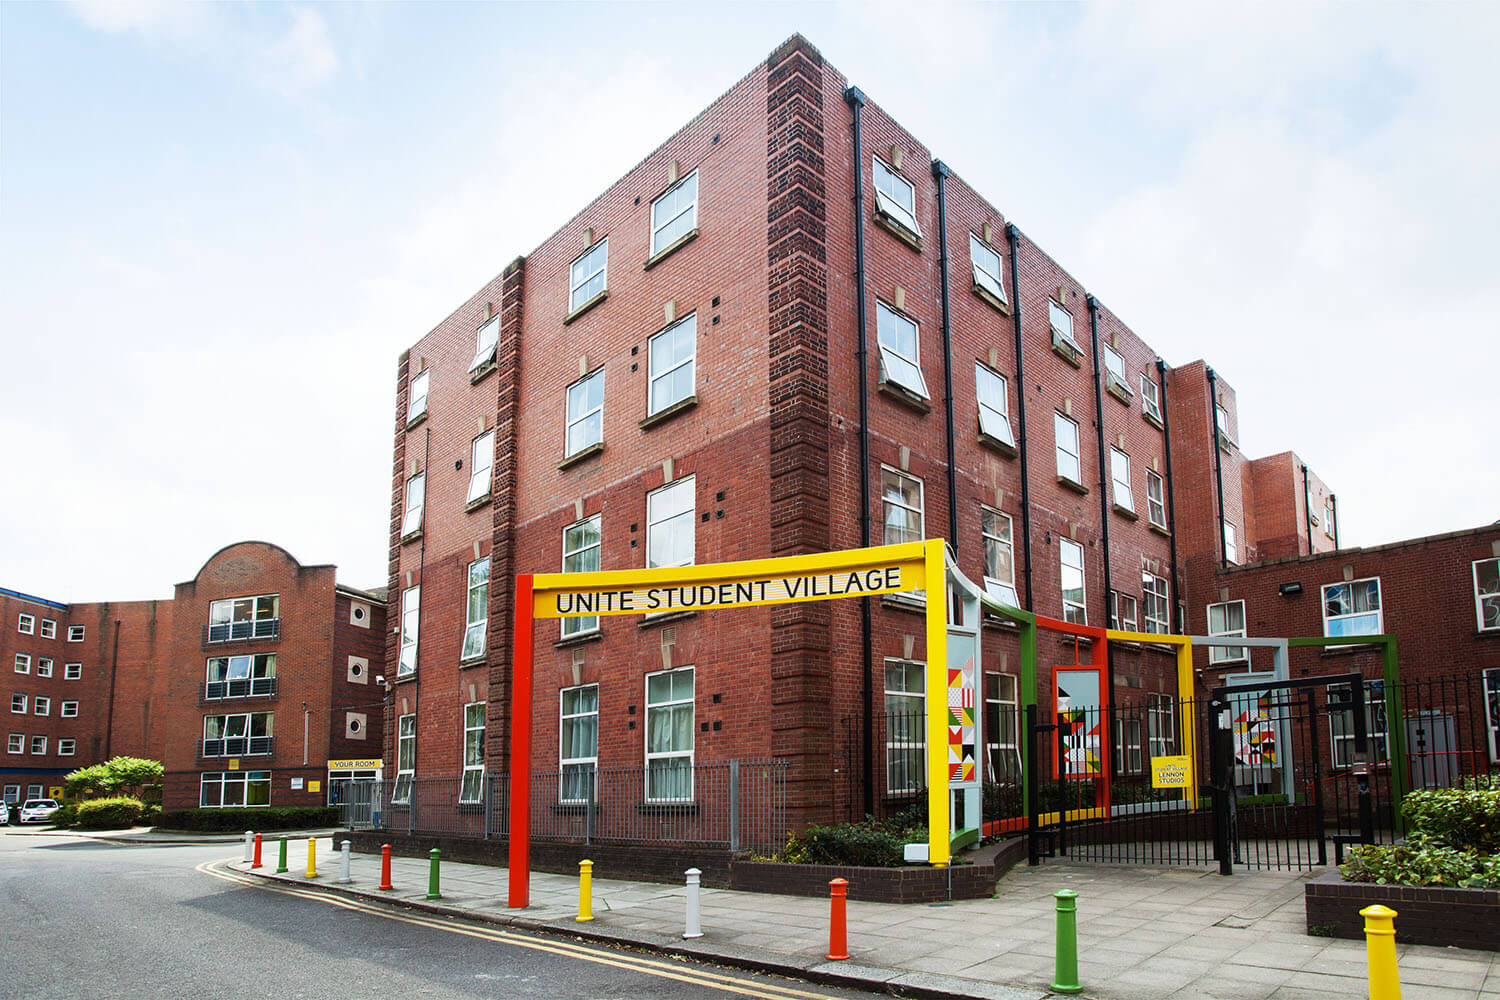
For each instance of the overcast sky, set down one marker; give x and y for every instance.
(221, 223)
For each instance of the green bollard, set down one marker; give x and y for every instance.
(281, 858)
(1066, 979)
(432, 876)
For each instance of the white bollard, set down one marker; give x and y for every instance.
(249, 846)
(694, 923)
(344, 866)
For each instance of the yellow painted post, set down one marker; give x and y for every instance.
(312, 863)
(1380, 949)
(1187, 718)
(585, 891)
(939, 841)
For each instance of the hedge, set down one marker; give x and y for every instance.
(1453, 836)
(240, 819)
(117, 813)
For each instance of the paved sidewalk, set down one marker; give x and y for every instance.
(1142, 933)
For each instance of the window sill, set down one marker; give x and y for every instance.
(995, 621)
(578, 640)
(1356, 647)
(670, 249)
(1118, 391)
(666, 618)
(1227, 664)
(1226, 445)
(572, 808)
(414, 421)
(903, 395)
(667, 808)
(667, 413)
(473, 661)
(992, 299)
(580, 455)
(1068, 352)
(898, 230)
(474, 505)
(910, 605)
(1488, 633)
(591, 303)
(1067, 639)
(1125, 512)
(1163, 532)
(406, 539)
(1072, 484)
(1008, 450)
(1154, 421)
(477, 375)
(406, 678)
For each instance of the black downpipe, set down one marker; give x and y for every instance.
(1333, 499)
(1012, 234)
(856, 101)
(940, 171)
(1178, 599)
(1104, 491)
(109, 717)
(1213, 423)
(1307, 508)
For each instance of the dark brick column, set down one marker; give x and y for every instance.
(503, 508)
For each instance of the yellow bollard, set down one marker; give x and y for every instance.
(312, 864)
(1380, 946)
(585, 891)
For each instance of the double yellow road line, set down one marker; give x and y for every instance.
(660, 968)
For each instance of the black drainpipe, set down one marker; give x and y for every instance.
(109, 712)
(1104, 483)
(940, 171)
(1179, 600)
(1213, 423)
(1307, 508)
(1012, 234)
(1333, 498)
(856, 101)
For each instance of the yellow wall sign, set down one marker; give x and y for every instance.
(314, 785)
(1171, 772)
(355, 764)
(233, 765)
(55, 792)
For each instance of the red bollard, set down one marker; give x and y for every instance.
(256, 863)
(385, 867)
(838, 946)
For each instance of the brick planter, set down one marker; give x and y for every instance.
(1464, 918)
(913, 884)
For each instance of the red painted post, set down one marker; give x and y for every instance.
(256, 862)
(385, 867)
(838, 939)
(520, 750)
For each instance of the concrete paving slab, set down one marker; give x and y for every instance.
(955, 986)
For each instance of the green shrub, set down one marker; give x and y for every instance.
(1453, 836)
(1467, 817)
(250, 818)
(866, 844)
(66, 815)
(115, 813)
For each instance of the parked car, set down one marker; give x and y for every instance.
(4, 813)
(37, 810)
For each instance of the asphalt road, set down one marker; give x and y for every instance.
(81, 919)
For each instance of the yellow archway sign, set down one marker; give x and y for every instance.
(822, 576)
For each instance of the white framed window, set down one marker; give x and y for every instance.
(1492, 711)
(1226, 620)
(1115, 379)
(240, 734)
(1221, 423)
(589, 275)
(72, 671)
(257, 617)
(406, 758)
(240, 676)
(1062, 327)
(67, 747)
(416, 404)
(669, 735)
(1151, 399)
(673, 360)
(26, 624)
(18, 704)
(1074, 596)
(1157, 610)
(472, 784)
(1161, 725)
(1341, 724)
(585, 413)
(1069, 466)
(411, 620)
(39, 744)
(23, 663)
(1231, 544)
(1487, 594)
(987, 268)
(582, 543)
(16, 744)
(670, 513)
(1125, 612)
(901, 506)
(41, 705)
(1119, 476)
(481, 464)
(675, 213)
(994, 406)
(477, 615)
(999, 556)
(13, 794)
(43, 667)
(230, 789)
(578, 749)
(416, 497)
(905, 726)
(897, 339)
(68, 710)
(1328, 526)
(33, 791)
(1353, 608)
(1156, 501)
(1002, 715)
(49, 628)
(1128, 745)
(75, 633)
(895, 197)
(486, 341)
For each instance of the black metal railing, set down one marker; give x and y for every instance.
(255, 630)
(243, 687)
(236, 746)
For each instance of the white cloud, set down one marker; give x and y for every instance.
(302, 59)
